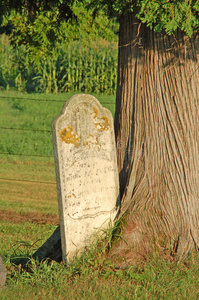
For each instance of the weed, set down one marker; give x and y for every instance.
(91, 276)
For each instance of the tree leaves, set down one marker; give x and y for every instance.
(168, 15)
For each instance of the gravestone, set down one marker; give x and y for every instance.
(86, 171)
(3, 273)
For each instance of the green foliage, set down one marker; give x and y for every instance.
(15, 68)
(50, 55)
(113, 8)
(70, 66)
(9, 71)
(75, 67)
(45, 30)
(168, 15)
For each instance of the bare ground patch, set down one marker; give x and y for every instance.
(32, 217)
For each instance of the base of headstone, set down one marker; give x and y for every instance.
(3, 273)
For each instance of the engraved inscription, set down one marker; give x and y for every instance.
(89, 186)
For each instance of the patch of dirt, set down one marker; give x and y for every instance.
(32, 217)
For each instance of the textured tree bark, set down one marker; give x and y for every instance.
(156, 125)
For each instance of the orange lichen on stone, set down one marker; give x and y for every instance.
(105, 125)
(95, 113)
(69, 136)
(93, 141)
(100, 123)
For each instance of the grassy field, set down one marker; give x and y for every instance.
(34, 114)
(29, 215)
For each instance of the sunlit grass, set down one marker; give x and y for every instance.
(28, 186)
(30, 121)
(92, 276)
(15, 236)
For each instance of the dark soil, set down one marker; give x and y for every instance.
(32, 217)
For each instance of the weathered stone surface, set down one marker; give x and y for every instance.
(86, 170)
(3, 273)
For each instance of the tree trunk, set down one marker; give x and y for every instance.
(156, 124)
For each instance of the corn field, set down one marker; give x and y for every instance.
(72, 67)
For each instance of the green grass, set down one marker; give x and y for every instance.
(91, 276)
(21, 112)
(15, 237)
(28, 185)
